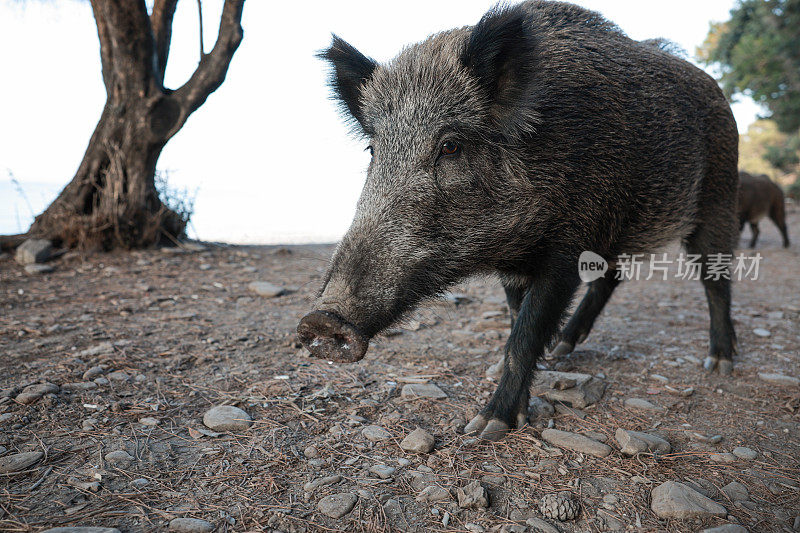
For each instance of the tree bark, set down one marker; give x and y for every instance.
(112, 201)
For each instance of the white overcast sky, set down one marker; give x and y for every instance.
(267, 155)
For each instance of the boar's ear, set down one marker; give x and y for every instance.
(500, 54)
(351, 69)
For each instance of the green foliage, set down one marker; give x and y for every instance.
(758, 54)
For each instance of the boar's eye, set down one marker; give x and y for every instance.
(449, 148)
(370, 149)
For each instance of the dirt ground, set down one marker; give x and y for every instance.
(175, 334)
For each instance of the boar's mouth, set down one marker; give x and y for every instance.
(328, 336)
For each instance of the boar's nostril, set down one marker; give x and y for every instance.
(329, 336)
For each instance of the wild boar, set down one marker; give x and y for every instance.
(759, 196)
(508, 148)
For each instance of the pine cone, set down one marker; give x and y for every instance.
(560, 506)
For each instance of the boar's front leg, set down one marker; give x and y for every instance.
(542, 308)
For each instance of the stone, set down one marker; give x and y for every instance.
(31, 393)
(633, 442)
(34, 251)
(735, 491)
(311, 486)
(36, 268)
(375, 433)
(727, 528)
(190, 525)
(79, 386)
(383, 471)
(576, 442)
(722, 457)
(227, 418)
(18, 461)
(539, 409)
(761, 332)
(779, 379)
(474, 528)
(266, 289)
(418, 441)
(745, 453)
(337, 505)
(148, 421)
(311, 452)
(541, 526)
(394, 512)
(119, 458)
(422, 390)
(81, 529)
(587, 389)
(472, 496)
(94, 372)
(672, 499)
(433, 493)
(638, 404)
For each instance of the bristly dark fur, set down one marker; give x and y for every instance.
(350, 69)
(500, 53)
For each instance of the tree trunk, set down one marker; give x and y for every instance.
(112, 201)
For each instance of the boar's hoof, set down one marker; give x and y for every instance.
(582, 338)
(725, 367)
(328, 336)
(495, 430)
(710, 363)
(562, 349)
(475, 425)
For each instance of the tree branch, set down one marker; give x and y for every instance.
(200, 20)
(161, 21)
(213, 67)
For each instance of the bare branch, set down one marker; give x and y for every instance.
(200, 18)
(161, 21)
(104, 36)
(213, 67)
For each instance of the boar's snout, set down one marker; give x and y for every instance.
(329, 336)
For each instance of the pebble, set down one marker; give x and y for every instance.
(375, 433)
(119, 458)
(227, 418)
(266, 289)
(33, 251)
(675, 500)
(761, 332)
(727, 528)
(140, 482)
(576, 442)
(633, 442)
(337, 505)
(93, 372)
(311, 486)
(745, 453)
(474, 528)
(119, 375)
(418, 441)
(18, 461)
(81, 529)
(79, 386)
(541, 526)
(383, 471)
(36, 268)
(433, 493)
(31, 393)
(472, 496)
(585, 389)
(190, 525)
(779, 379)
(422, 390)
(149, 421)
(722, 457)
(735, 491)
(642, 405)
(311, 452)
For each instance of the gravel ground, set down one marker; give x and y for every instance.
(112, 362)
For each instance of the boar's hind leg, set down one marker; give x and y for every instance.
(754, 232)
(541, 309)
(579, 326)
(707, 240)
(514, 297)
